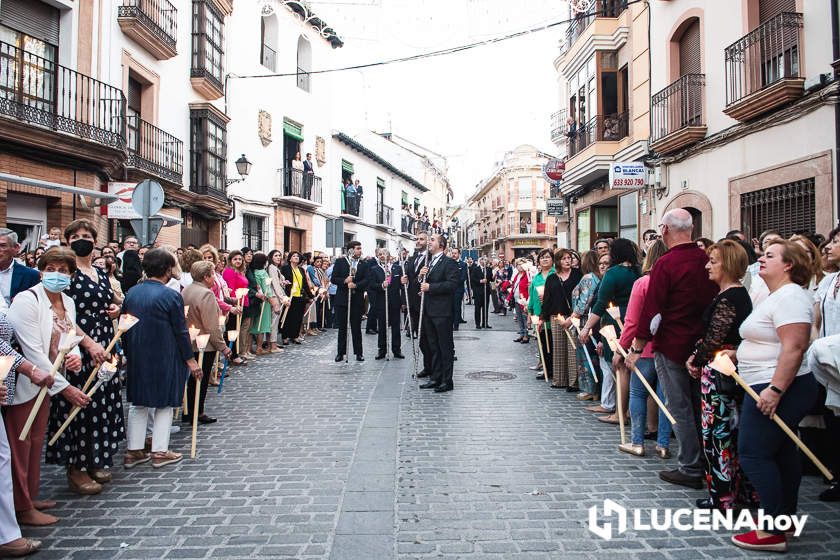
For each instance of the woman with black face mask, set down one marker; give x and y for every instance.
(87, 447)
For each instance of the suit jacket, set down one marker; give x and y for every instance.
(443, 282)
(463, 271)
(23, 278)
(413, 282)
(341, 270)
(32, 318)
(476, 274)
(307, 166)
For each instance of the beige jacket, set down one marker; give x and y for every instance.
(204, 314)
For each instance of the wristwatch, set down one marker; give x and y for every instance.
(776, 390)
(635, 351)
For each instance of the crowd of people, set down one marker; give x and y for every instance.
(676, 304)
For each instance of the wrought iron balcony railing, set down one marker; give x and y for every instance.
(159, 17)
(599, 128)
(154, 150)
(301, 185)
(351, 205)
(600, 8)
(268, 58)
(384, 215)
(558, 126)
(678, 106)
(303, 79)
(764, 56)
(41, 92)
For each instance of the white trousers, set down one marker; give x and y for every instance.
(607, 385)
(138, 418)
(9, 529)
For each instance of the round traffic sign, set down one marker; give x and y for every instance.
(147, 199)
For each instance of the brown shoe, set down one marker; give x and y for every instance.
(41, 505)
(102, 476)
(632, 449)
(585, 397)
(80, 483)
(163, 458)
(19, 547)
(35, 518)
(600, 409)
(137, 457)
(663, 452)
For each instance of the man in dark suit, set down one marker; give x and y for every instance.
(457, 318)
(410, 278)
(385, 277)
(14, 277)
(481, 276)
(439, 282)
(350, 272)
(308, 175)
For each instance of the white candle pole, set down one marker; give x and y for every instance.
(723, 363)
(576, 324)
(608, 332)
(240, 294)
(561, 318)
(615, 313)
(535, 321)
(105, 373)
(200, 343)
(126, 322)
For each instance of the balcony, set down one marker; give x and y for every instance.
(601, 128)
(220, 194)
(600, 9)
(384, 216)
(153, 24)
(303, 79)
(407, 224)
(763, 68)
(678, 116)
(559, 127)
(39, 98)
(351, 207)
(153, 150)
(268, 58)
(299, 189)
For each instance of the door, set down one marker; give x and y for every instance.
(293, 239)
(689, 109)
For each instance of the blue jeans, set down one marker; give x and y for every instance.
(521, 320)
(769, 457)
(638, 405)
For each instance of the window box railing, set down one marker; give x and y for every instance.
(351, 205)
(763, 67)
(219, 194)
(599, 129)
(152, 23)
(154, 150)
(384, 215)
(600, 8)
(40, 92)
(301, 185)
(407, 224)
(268, 58)
(678, 115)
(558, 126)
(303, 79)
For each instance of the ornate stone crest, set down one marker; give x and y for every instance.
(320, 150)
(264, 127)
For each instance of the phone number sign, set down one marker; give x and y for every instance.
(627, 175)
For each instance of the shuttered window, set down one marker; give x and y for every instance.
(31, 17)
(788, 208)
(690, 49)
(768, 9)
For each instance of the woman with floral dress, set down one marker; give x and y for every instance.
(87, 447)
(583, 296)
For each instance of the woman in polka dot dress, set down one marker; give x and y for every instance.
(88, 446)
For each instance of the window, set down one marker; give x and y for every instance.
(207, 152)
(524, 188)
(28, 71)
(254, 232)
(583, 230)
(628, 216)
(207, 42)
(788, 208)
(304, 63)
(268, 32)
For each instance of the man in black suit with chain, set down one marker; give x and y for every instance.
(439, 281)
(410, 278)
(384, 276)
(481, 276)
(350, 272)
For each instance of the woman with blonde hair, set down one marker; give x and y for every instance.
(816, 260)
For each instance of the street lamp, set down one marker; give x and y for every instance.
(243, 167)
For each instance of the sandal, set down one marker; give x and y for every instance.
(41, 505)
(35, 518)
(101, 476)
(163, 458)
(19, 547)
(81, 483)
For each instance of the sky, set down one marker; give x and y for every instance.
(471, 107)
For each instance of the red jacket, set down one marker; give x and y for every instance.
(520, 283)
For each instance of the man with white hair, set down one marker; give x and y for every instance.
(14, 277)
(679, 291)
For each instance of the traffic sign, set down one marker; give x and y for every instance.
(147, 192)
(155, 224)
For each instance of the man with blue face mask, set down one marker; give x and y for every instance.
(14, 277)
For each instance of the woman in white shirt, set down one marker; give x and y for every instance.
(775, 338)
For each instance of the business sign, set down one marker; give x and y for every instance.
(553, 171)
(555, 206)
(628, 175)
(121, 208)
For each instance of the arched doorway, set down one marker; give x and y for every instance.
(698, 205)
(697, 217)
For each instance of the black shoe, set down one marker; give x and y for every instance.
(454, 358)
(398, 355)
(525, 340)
(422, 374)
(572, 390)
(650, 436)
(368, 331)
(380, 356)
(443, 388)
(540, 376)
(360, 358)
(487, 327)
(676, 477)
(429, 385)
(204, 419)
(518, 339)
(339, 358)
(455, 328)
(832, 494)
(705, 503)
(478, 326)
(186, 419)
(462, 322)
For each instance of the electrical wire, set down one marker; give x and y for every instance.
(430, 54)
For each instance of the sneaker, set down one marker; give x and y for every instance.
(751, 541)
(163, 458)
(133, 458)
(681, 479)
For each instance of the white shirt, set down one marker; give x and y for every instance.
(758, 354)
(829, 305)
(6, 282)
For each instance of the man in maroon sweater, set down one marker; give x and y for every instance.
(679, 292)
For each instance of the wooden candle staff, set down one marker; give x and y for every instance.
(126, 322)
(104, 374)
(609, 333)
(240, 294)
(232, 336)
(723, 364)
(561, 318)
(67, 342)
(185, 405)
(576, 324)
(535, 321)
(615, 313)
(6, 363)
(200, 343)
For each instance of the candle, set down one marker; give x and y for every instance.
(608, 332)
(233, 335)
(241, 293)
(6, 363)
(186, 311)
(193, 332)
(614, 311)
(221, 321)
(201, 341)
(723, 363)
(126, 322)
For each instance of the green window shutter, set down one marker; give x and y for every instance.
(380, 182)
(405, 198)
(347, 166)
(293, 130)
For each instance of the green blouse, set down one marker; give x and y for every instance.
(534, 303)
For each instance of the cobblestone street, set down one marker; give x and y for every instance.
(313, 459)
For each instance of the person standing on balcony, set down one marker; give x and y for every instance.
(350, 195)
(308, 176)
(360, 193)
(297, 177)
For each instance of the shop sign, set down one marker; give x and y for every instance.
(553, 171)
(121, 208)
(627, 175)
(555, 206)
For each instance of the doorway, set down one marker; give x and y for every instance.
(293, 239)
(697, 217)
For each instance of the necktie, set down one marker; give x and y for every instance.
(420, 262)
